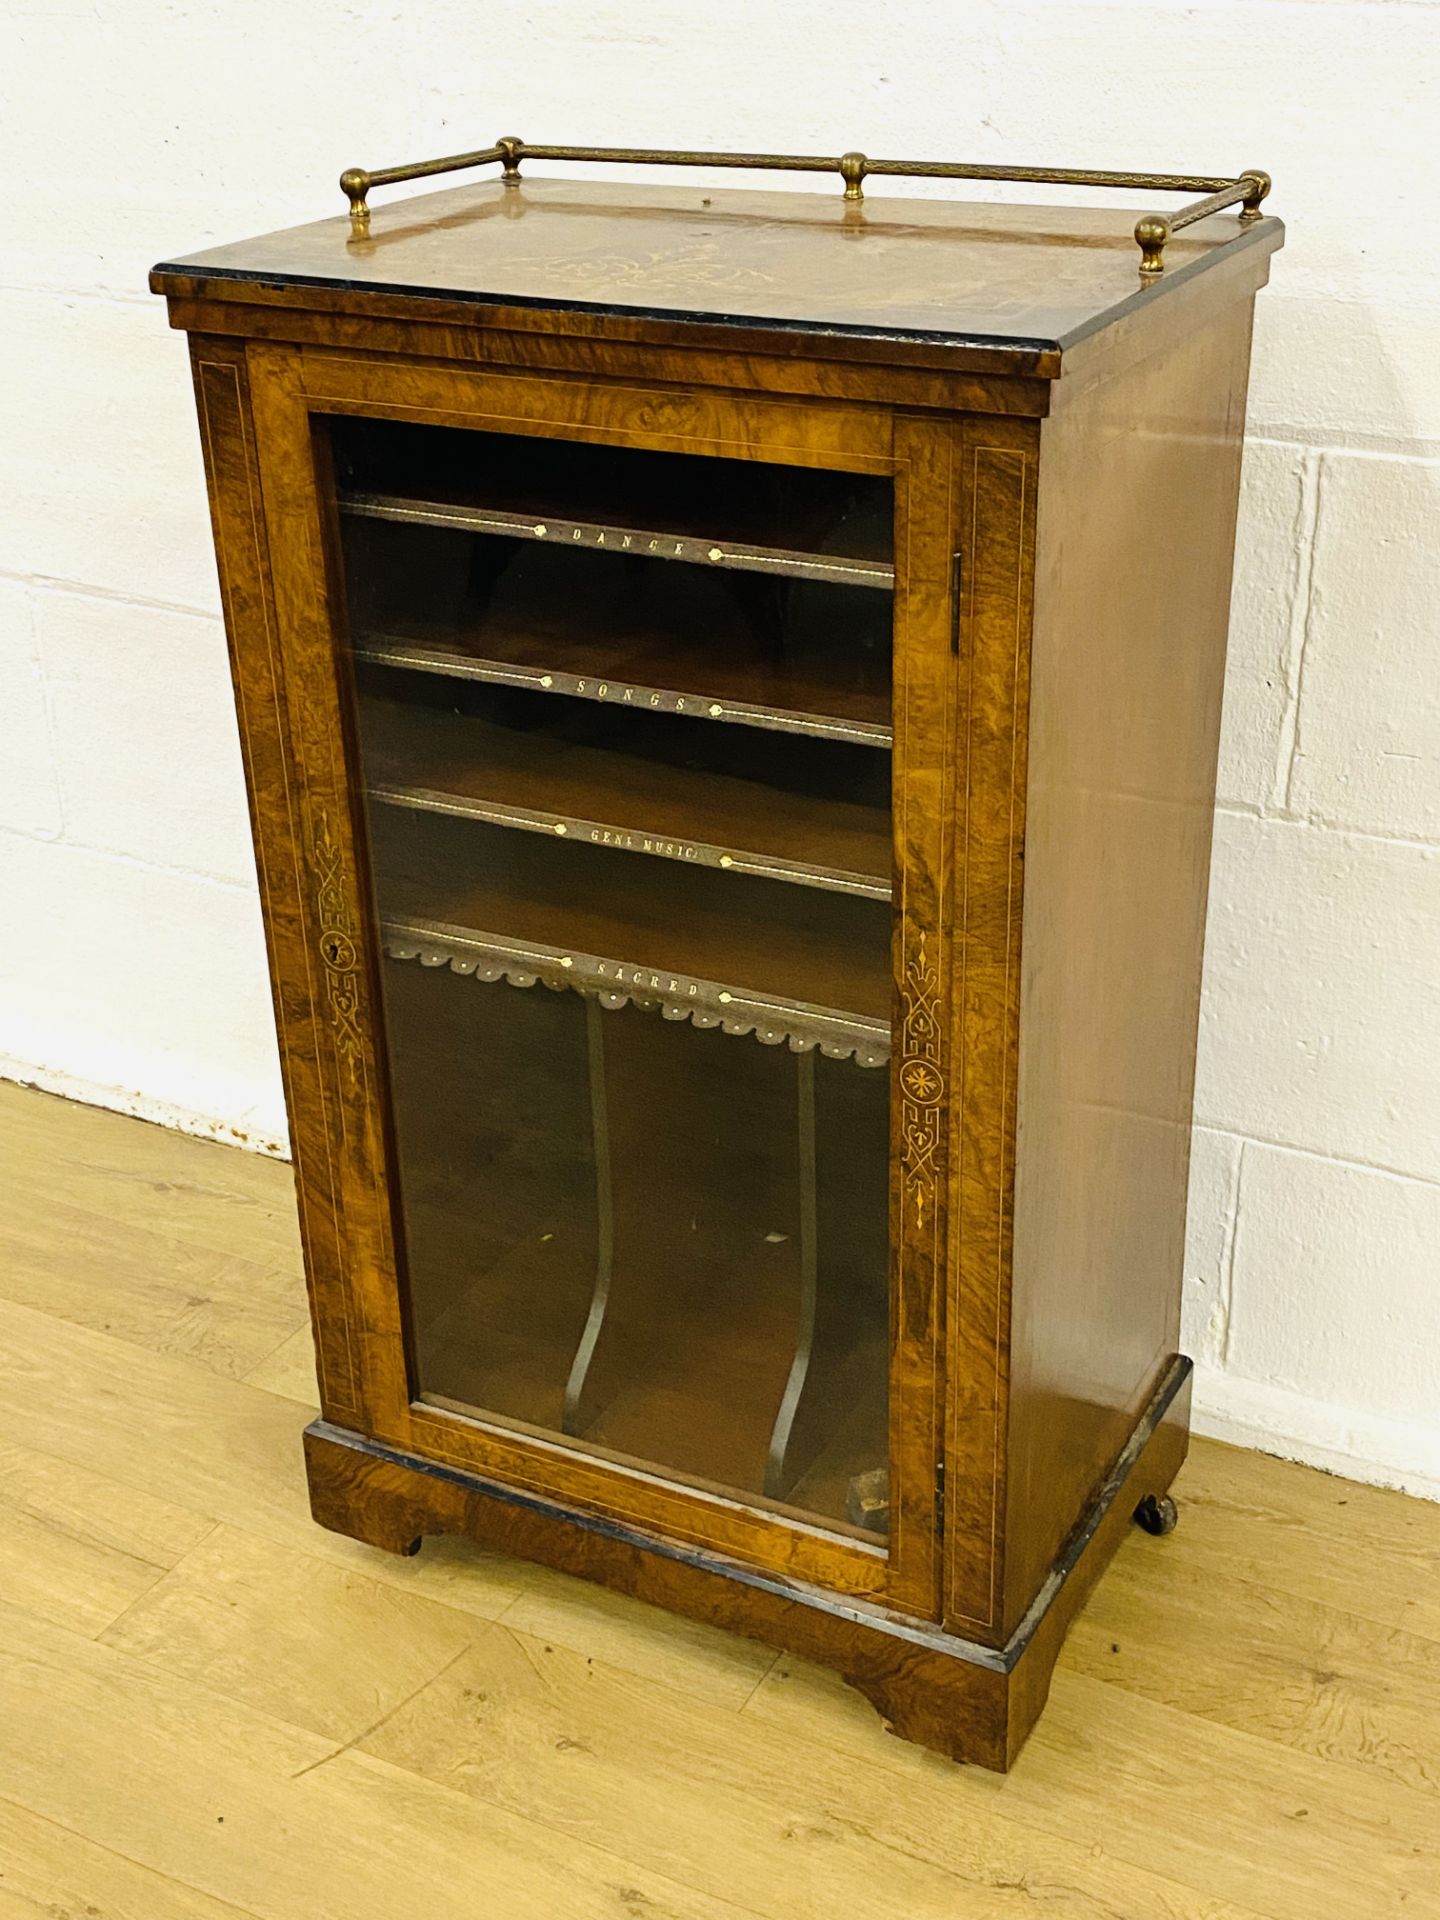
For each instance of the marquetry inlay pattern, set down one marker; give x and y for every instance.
(337, 944)
(921, 1077)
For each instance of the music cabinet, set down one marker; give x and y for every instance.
(729, 684)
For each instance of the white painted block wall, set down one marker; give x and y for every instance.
(131, 971)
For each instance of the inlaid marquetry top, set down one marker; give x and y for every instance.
(1024, 280)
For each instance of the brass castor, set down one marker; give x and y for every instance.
(1157, 1514)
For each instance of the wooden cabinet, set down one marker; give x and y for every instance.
(729, 684)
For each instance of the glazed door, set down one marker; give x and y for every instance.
(640, 693)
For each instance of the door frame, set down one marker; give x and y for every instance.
(326, 962)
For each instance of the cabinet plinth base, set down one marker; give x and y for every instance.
(960, 1698)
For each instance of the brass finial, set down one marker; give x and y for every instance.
(1152, 231)
(1250, 210)
(853, 168)
(511, 146)
(355, 184)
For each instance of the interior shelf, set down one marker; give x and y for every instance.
(802, 522)
(799, 656)
(601, 778)
(721, 950)
(714, 701)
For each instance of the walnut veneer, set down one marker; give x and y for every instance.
(1056, 448)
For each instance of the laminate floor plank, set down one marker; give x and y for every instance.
(163, 1240)
(1302, 1501)
(290, 1369)
(1291, 1671)
(1369, 1551)
(320, 1646)
(49, 1873)
(1331, 1839)
(78, 1548)
(718, 1667)
(793, 1831)
(168, 1427)
(1283, 1832)
(154, 1289)
(211, 1709)
(220, 1448)
(131, 1172)
(236, 1804)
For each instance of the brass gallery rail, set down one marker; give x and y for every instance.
(1152, 230)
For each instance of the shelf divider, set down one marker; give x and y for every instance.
(776, 1481)
(604, 1219)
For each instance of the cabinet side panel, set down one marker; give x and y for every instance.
(1139, 479)
(222, 396)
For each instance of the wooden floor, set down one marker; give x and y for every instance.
(211, 1709)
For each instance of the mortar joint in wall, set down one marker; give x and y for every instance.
(1227, 1269)
(1302, 608)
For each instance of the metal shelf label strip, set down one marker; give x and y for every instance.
(617, 983)
(663, 846)
(611, 538)
(588, 686)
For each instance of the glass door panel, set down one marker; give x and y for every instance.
(624, 727)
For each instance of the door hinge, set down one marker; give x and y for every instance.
(940, 1496)
(955, 581)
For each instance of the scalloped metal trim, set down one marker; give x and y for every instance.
(771, 1023)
